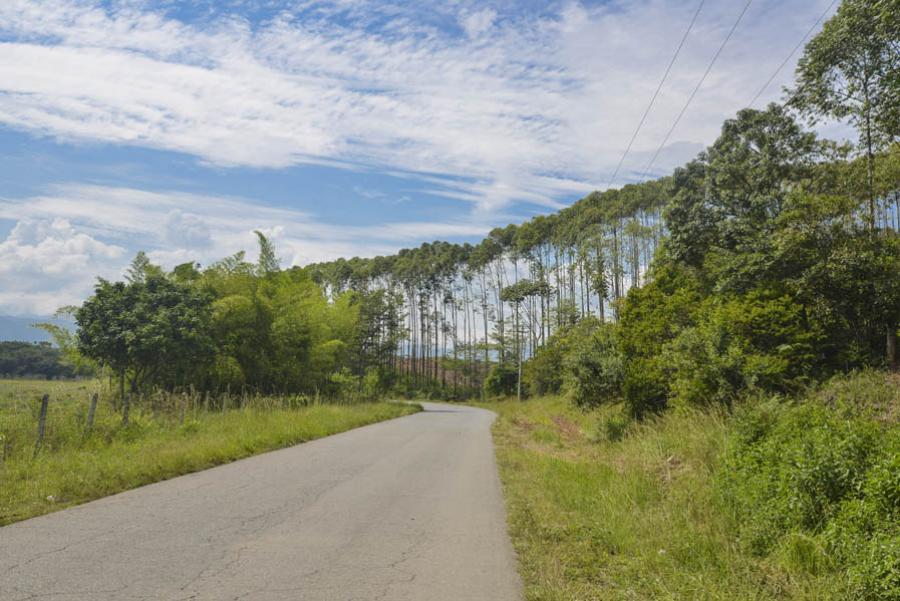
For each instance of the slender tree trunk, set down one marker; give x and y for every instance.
(870, 159)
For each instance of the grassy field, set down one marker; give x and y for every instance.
(74, 466)
(600, 508)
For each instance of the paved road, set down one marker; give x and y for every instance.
(405, 509)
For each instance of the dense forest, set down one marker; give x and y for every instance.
(767, 263)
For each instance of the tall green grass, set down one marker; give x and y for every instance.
(603, 508)
(74, 466)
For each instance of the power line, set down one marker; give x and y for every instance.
(793, 52)
(655, 94)
(697, 88)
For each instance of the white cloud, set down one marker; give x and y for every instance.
(524, 109)
(186, 230)
(47, 263)
(478, 22)
(67, 237)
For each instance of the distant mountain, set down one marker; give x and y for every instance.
(20, 327)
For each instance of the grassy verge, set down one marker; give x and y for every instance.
(73, 468)
(673, 508)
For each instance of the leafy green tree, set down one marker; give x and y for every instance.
(851, 70)
(151, 330)
(105, 325)
(725, 202)
(141, 268)
(268, 262)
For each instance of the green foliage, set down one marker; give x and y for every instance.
(235, 326)
(26, 359)
(876, 575)
(704, 368)
(792, 467)
(759, 341)
(594, 366)
(268, 262)
(501, 380)
(817, 483)
(153, 328)
(780, 501)
(651, 317)
(724, 202)
(542, 374)
(851, 70)
(645, 386)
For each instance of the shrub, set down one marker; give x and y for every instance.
(594, 366)
(792, 467)
(876, 574)
(817, 484)
(703, 368)
(502, 380)
(644, 386)
(542, 374)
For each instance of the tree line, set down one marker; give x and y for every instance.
(33, 360)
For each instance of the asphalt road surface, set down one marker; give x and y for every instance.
(405, 509)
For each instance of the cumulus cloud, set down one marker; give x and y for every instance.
(528, 107)
(47, 263)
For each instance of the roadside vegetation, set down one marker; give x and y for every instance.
(717, 349)
(777, 500)
(168, 436)
(732, 431)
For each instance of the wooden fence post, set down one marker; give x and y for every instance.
(91, 411)
(42, 423)
(126, 406)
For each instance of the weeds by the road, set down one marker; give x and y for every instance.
(603, 508)
(74, 466)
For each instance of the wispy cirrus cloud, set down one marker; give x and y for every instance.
(500, 106)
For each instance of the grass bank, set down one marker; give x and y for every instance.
(74, 466)
(782, 500)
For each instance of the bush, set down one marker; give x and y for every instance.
(759, 341)
(703, 368)
(502, 380)
(876, 575)
(542, 374)
(792, 468)
(594, 366)
(817, 484)
(644, 387)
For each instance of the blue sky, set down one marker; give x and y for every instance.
(338, 127)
